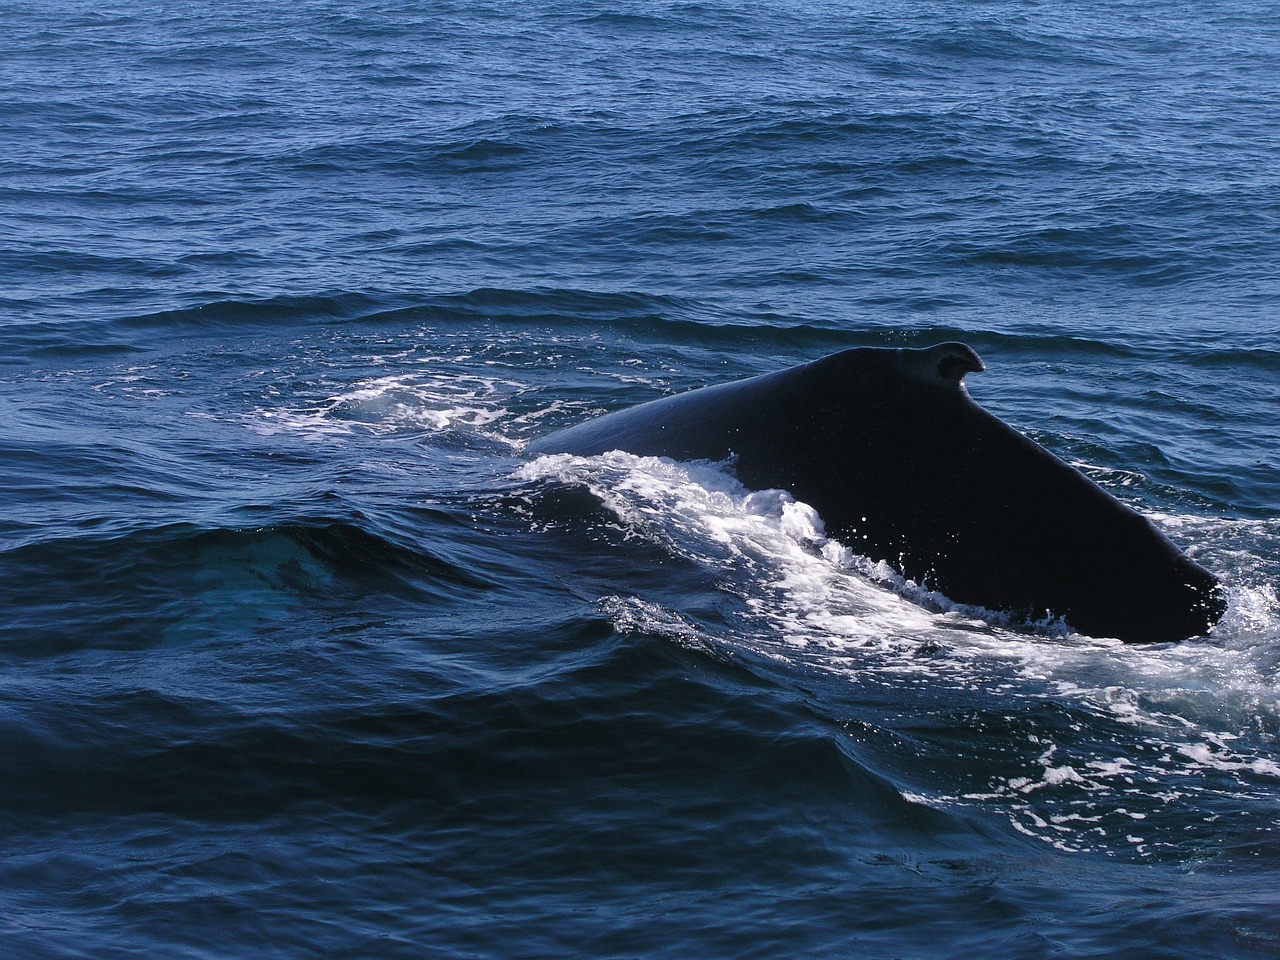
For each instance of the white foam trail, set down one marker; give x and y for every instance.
(1204, 714)
(701, 513)
(402, 403)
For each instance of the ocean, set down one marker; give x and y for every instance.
(303, 655)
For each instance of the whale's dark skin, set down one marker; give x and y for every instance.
(902, 465)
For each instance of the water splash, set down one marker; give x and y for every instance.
(1128, 750)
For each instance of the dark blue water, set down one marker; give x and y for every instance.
(301, 656)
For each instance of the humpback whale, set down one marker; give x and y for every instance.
(903, 466)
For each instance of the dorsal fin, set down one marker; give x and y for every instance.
(951, 361)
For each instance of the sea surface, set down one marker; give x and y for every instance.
(303, 656)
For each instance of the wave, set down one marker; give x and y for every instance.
(180, 583)
(207, 315)
(650, 317)
(268, 312)
(479, 154)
